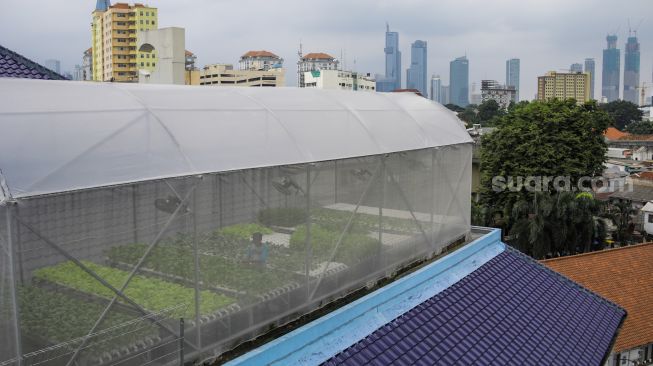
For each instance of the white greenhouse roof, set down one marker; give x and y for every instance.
(59, 136)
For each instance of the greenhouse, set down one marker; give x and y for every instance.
(148, 224)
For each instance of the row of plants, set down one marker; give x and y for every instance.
(56, 318)
(152, 294)
(353, 248)
(215, 271)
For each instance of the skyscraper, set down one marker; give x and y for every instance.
(631, 70)
(512, 75)
(416, 73)
(611, 65)
(576, 67)
(590, 69)
(459, 81)
(392, 79)
(436, 89)
(54, 65)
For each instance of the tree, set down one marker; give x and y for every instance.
(640, 128)
(468, 115)
(546, 139)
(622, 113)
(488, 111)
(454, 107)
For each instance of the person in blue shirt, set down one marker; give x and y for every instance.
(257, 251)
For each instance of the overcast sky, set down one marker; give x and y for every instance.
(545, 35)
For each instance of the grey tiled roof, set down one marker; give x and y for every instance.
(13, 65)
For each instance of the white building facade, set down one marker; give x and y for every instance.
(339, 79)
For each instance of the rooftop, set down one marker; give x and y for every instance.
(317, 56)
(480, 304)
(262, 53)
(13, 65)
(622, 275)
(613, 134)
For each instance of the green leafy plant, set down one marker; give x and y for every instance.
(56, 318)
(151, 293)
(353, 248)
(286, 217)
(242, 231)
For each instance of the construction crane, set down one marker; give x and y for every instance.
(642, 92)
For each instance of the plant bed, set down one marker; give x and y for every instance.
(215, 271)
(52, 318)
(152, 294)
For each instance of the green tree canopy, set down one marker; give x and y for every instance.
(488, 111)
(640, 128)
(546, 139)
(622, 113)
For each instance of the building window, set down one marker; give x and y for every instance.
(153, 64)
(153, 22)
(650, 219)
(147, 22)
(141, 21)
(142, 63)
(148, 64)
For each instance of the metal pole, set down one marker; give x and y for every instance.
(381, 204)
(181, 341)
(433, 198)
(335, 177)
(410, 207)
(12, 284)
(197, 272)
(307, 263)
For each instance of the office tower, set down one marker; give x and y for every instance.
(436, 89)
(445, 95)
(114, 32)
(459, 81)
(631, 70)
(576, 68)
(54, 65)
(313, 62)
(590, 69)
(416, 73)
(392, 79)
(512, 75)
(611, 65)
(562, 86)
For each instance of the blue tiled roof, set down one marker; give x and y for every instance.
(509, 311)
(13, 65)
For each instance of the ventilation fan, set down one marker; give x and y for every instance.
(286, 186)
(169, 205)
(361, 174)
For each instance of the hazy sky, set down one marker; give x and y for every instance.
(544, 34)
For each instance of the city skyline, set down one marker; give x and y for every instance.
(529, 36)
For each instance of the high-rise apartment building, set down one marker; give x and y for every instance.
(392, 79)
(436, 89)
(564, 86)
(631, 70)
(416, 77)
(576, 67)
(445, 95)
(114, 32)
(590, 68)
(314, 61)
(611, 65)
(512, 75)
(459, 81)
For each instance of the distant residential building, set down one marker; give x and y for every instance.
(476, 99)
(224, 74)
(392, 79)
(54, 65)
(502, 94)
(315, 61)
(564, 86)
(78, 73)
(459, 81)
(416, 74)
(611, 67)
(192, 73)
(631, 70)
(436, 89)
(590, 68)
(576, 67)
(114, 36)
(190, 60)
(445, 94)
(260, 60)
(339, 79)
(512, 75)
(87, 65)
(13, 65)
